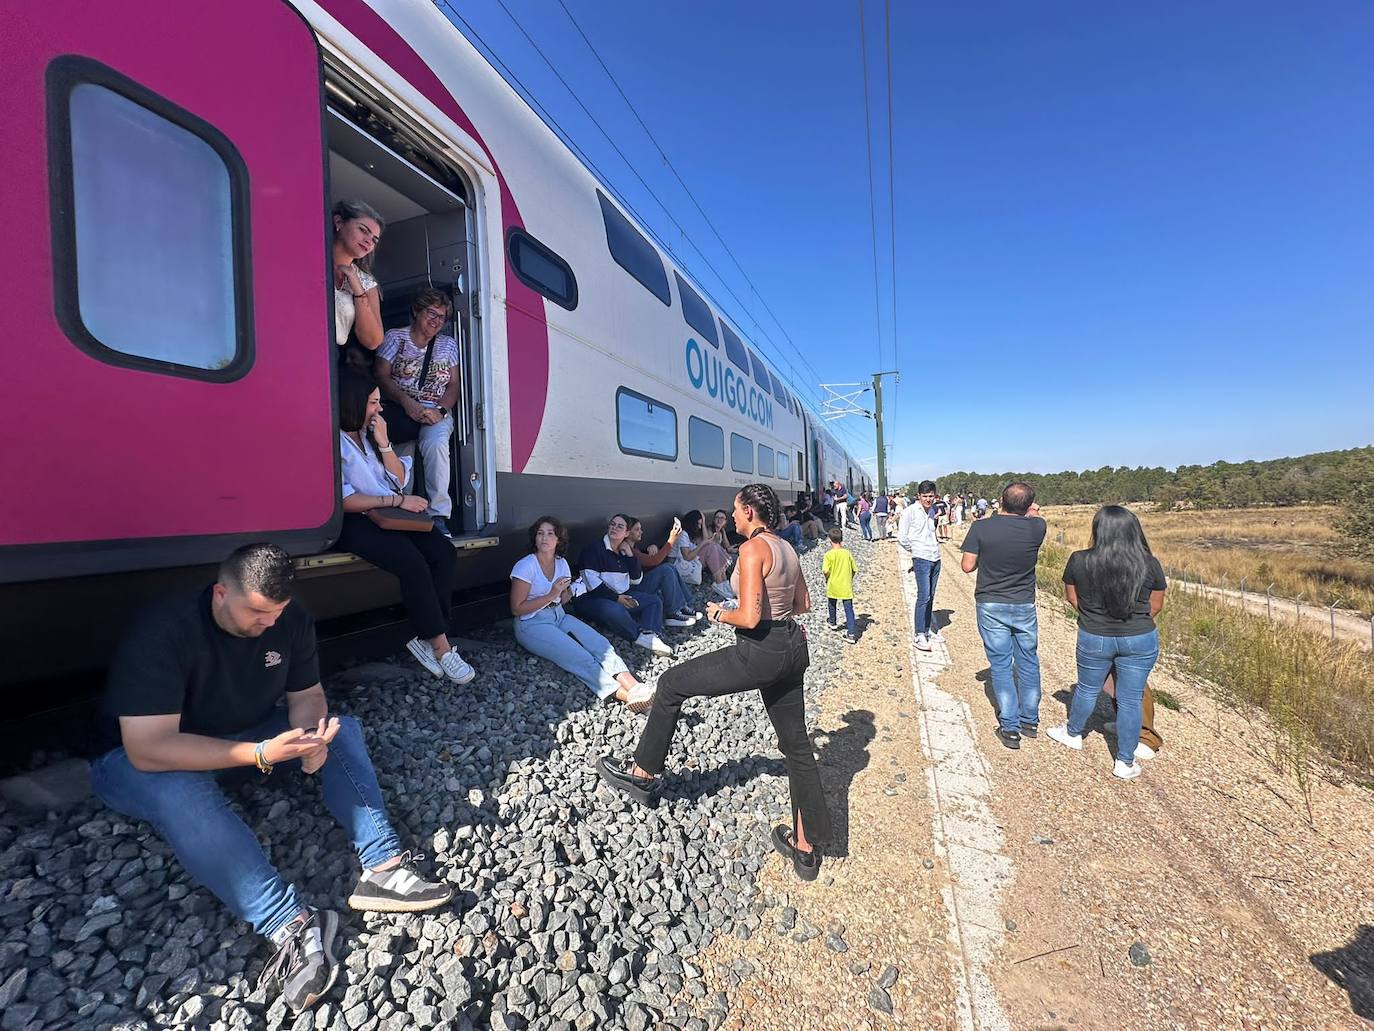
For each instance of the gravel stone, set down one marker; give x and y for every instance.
(1139, 955)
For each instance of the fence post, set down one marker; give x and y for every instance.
(1371, 633)
(1242, 590)
(1332, 609)
(1297, 605)
(1223, 582)
(1269, 602)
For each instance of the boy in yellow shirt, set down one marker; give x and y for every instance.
(839, 569)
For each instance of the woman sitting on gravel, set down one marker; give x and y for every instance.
(661, 576)
(1117, 586)
(612, 596)
(769, 655)
(540, 585)
(693, 549)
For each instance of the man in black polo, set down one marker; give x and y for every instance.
(196, 688)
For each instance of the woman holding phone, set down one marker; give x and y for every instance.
(612, 593)
(541, 584)
(374, 477)
(661, 576)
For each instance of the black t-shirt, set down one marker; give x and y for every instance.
(1093, 615)
(177, 659)
(1006, 547)
(938, 509)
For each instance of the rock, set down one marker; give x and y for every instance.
(1139, 955)
(880, 1000)
(835, 943)
(13, 988)
(1010, 925)
(888, 977)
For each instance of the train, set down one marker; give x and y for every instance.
(169, 317)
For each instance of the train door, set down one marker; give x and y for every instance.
(377, 155)
(167, 308)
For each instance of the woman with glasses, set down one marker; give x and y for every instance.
(612, 593)
(357, 303)
(418, 370)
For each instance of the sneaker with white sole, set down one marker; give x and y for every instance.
(640, 698)
(400, 889)
(304, 967)
(1144, 751)
(723, 590)
(935, 635)
(921, 643)
(424, 655)
(456, 668)
(1062, 735)
(1126, 771)
(654, 643)
(690, 615)
(678, 621)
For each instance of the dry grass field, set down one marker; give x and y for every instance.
(1299, 549)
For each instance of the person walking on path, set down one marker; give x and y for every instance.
(838, 568)
(865, 508)
(916, 533)
(1004, 549)
(841, 504)
(1117, 586)
(769, 655)
(882, 507)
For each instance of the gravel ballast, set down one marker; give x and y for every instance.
(574, 908)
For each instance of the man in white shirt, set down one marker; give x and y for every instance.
(916, 533)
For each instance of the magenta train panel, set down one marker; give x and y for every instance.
(127, 453)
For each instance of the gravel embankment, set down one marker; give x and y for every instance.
(576, 908)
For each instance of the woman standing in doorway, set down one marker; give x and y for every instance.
(769, 655)
(357, 303)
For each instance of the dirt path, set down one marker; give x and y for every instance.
(1347, 626)
(1208, 862)
(883, 895)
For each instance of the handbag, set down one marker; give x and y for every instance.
(401, 428)
(400, 519)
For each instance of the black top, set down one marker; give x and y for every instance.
(178, 660)
(1006, 547)
(1093, 616)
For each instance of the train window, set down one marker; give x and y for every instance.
(734, 349)
(150, 231)
(644, 426)
(696, 311)
(765, 460)
(541, 269)
(705, 443)
(741, 454)
(760, 372)
(778, 390)
(633, 252)
(784, 468)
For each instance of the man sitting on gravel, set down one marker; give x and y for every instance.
(196, 688)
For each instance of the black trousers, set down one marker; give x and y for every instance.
(423, 562)
(770, 660)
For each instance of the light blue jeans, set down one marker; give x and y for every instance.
(189, 810)
(665, 581)
(1133, 657)
(567, 642)
(1010, 634)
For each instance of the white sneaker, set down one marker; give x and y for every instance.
(640, 698)
(935, 635)
(1062, 735)
(722, 590)
(1144, 751)
(1126, 771)
(921, 643)
(678, 621)
(654, 643)
(455, 668)
(424, 655)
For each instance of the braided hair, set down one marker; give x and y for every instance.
(760, 497)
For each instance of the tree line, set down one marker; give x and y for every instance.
(1329, 477)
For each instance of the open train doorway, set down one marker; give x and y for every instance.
(376, 155)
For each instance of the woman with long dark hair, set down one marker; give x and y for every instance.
(357, 304)
(1117, 586)
(375, 477)
(693, 548)
(770, 656)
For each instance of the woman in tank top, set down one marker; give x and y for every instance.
(769, 655)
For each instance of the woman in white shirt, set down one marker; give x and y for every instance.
(374, 476)
(540, 585)
(357, 303)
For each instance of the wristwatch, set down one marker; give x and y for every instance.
(441, 409)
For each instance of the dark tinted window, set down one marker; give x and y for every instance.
(633, 252)
(760, 372)
(765, 460)
(741, 454)
(739, 357)
(705, 443)
(696, 311)
(779, 392)
(541, 269)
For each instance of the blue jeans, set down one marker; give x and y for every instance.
(848, 614)
(1009, 634)
(866, 525)
(1134, 657)
(189, 810)
(927, 576)
(623, 622)
(665, 581)
(567, 642)
(792, 534)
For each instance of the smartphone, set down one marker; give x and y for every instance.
(633, 603)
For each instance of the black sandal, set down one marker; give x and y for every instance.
(617, 774)
(806, 865)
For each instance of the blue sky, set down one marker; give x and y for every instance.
(1126, 234)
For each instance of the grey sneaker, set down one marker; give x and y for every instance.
(398, 890)
(304, 968)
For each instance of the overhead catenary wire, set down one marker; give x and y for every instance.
(872, 193)
(892, 206)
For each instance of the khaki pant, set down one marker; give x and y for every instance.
(1148, 734)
